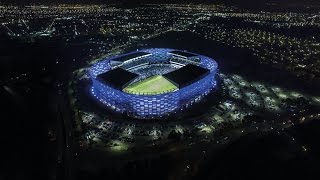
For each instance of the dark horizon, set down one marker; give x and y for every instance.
(259, 5)
(155, 1)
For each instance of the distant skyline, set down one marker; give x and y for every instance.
(255, 5)
(154, 1)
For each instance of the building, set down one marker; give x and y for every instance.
(147, 84)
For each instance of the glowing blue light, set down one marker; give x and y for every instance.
(145, 106)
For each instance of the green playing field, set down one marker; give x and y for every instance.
(152, 85)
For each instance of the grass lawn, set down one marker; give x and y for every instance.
(152, 85)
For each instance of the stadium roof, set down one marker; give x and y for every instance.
(182, 53)
(186, 75)
(130, 56)
(117, 78)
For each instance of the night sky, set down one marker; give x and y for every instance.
(246, 4)
(153, 1)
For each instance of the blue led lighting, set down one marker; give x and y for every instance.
(148, 106)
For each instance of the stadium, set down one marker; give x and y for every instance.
(152, 83)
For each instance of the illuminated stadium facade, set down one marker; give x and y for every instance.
(153, 83)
